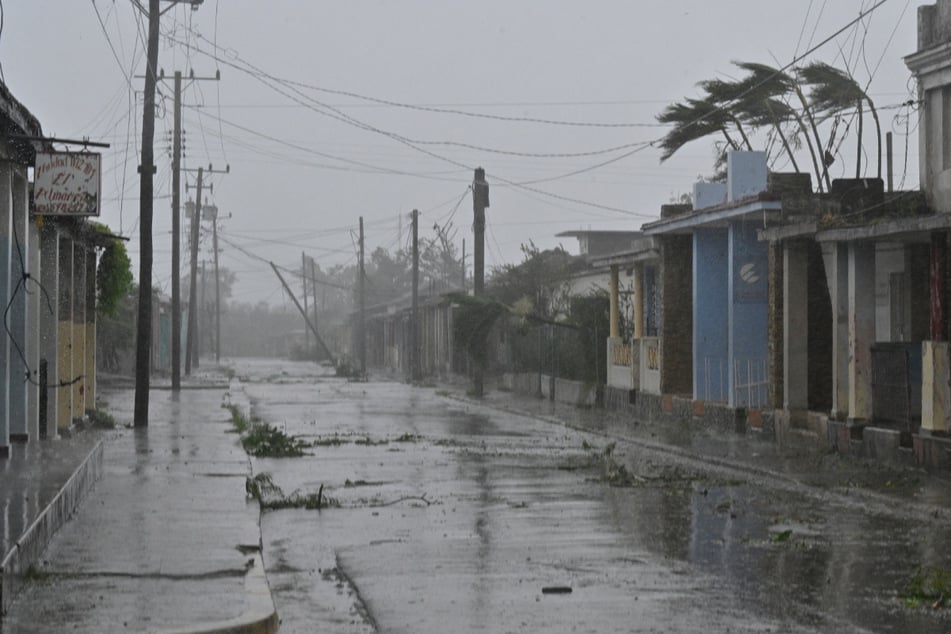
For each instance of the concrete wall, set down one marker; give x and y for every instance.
(676, 317)
(749, 313)
(710, 313)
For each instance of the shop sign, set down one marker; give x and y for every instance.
(67, 183)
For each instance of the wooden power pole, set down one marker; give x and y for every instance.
(362, 341)
(480, 200)
(414, 327)
(191, 350)
(143, 335)
(177, 239)
(303, 275)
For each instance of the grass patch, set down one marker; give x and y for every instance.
(265, 440)
(239, 421)
(407, 437)
(101, 420)
(930, 586)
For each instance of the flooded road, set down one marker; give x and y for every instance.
(442, 515)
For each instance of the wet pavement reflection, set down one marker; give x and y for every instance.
(452, 516)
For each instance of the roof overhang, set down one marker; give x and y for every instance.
(914, 229)
(930, 65)
(720, 216)
(645, 249)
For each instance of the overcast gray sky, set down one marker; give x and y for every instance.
(307, 161)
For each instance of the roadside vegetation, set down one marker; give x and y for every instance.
(262, 440)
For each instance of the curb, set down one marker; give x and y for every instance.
(260, 615)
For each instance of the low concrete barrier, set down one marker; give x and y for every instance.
(28, 549)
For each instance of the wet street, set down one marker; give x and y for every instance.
(443, 515)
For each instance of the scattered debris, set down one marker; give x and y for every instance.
(330, 441)
(262, 488)
(369, 442)
(781, 537)
(407, 437)
(100, 419)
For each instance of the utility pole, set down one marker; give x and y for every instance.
(203, 304)
(191, 352)
(303, 275)
(480, 200)
(192, 348)
(177, 239)
(362, 341)
(414, 332)
(463, 265)
(313, 289)
(214, 245)
(143, 333)
(176, 228)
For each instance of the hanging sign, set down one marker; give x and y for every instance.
(67, 183)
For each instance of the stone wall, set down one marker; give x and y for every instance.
(676, 357)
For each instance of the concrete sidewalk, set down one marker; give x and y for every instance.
(166, 541)
(796, 461)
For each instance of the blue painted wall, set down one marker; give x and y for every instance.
(748, 293)
(710, 328)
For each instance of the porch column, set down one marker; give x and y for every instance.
(638, 301)
(837, 272)
(6, 245)
(935, 359)
(34, 309)
(861, 329)
(16, 313)
(615, 329)
(64, 346)
(78, 358)
(676, 316)
(49, 328)
(90, 330)
(795, 328)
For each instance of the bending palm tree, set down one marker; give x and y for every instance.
(834, 91)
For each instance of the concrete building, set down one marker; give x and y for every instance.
(728, 286)
(48, 289)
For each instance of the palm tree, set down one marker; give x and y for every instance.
(781, 84)
(693, 119)
(834, 91)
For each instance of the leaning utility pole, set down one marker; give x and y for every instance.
(414, 332)
(480, 200)
(362, 341)
(191, 350)
(303, 275)
(143, 333)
